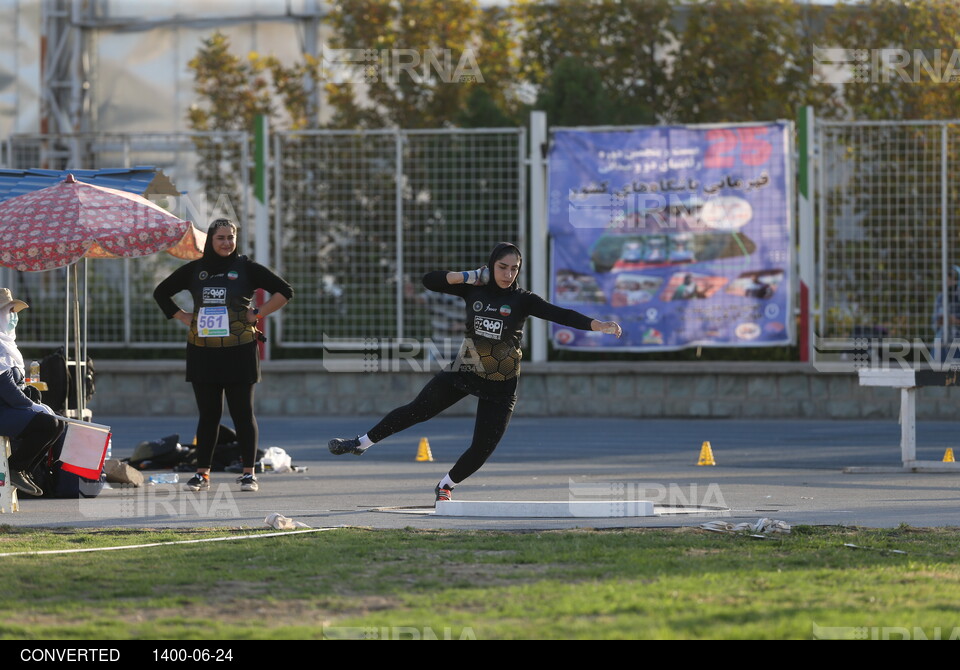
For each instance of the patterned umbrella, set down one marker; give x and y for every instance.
(58, 225)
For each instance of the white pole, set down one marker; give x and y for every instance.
(539, 259)
(398, 226)
(945, 273)
(261, 212)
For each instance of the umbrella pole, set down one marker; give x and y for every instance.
(68, 322)
(66, 317)
(86, 333)
(78, 376)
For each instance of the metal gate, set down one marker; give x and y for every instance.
(888, 212)
(361, 216)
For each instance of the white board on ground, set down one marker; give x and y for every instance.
(545, 510)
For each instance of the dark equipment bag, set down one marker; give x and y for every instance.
(162, 454)
(61, 390)
(56, 482)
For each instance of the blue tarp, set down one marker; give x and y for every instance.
(132, 180)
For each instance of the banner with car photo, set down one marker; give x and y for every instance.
(681, 234)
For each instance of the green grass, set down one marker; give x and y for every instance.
(683, 583)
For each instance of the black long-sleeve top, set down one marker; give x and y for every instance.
(495, 318)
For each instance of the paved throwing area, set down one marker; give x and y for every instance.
(788, 470)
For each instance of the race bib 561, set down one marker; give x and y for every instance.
(213, 322)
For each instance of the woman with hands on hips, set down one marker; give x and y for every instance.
(223, 361)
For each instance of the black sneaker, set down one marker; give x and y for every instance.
(248, 482)
(443, 494)
(343, 445)
(22, 482)
(198, 482)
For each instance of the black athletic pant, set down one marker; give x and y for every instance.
(210, 405)
(32, 444)
(439, 394)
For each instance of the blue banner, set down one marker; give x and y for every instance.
(680, 234)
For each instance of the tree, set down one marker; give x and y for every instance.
(232, 93)
(414, 64)
(481, 111)
(905, 55)
(625, 44)
(575, 96)
(743, 60)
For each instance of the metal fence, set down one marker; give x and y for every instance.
(889, 227)
(360, 217)
(206, 169)
(357, 219)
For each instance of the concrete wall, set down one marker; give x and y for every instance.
(668, 390)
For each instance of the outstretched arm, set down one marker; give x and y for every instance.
(542, 309)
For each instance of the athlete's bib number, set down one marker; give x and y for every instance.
(213, 322)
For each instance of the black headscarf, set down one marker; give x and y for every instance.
(212, 261)
(499, 252)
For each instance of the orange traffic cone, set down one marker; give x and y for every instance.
(423, 451)
(706, 455)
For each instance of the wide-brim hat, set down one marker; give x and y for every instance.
(6, 298)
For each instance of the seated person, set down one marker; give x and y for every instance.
(32, 428)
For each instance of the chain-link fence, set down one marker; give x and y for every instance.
(357, 219)
(889, 228)
(206, 170)
(360, 217)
